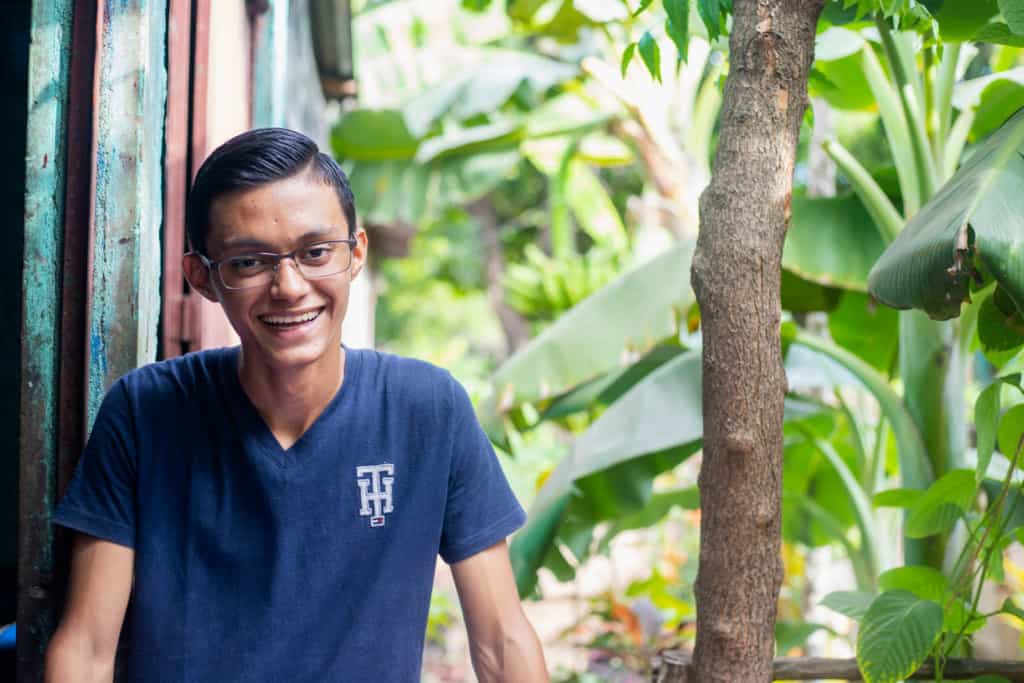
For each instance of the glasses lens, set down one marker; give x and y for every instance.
(247, 270)
(315, 261)
(324, 259)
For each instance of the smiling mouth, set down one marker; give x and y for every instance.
(283, 321)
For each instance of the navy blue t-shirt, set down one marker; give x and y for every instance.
(315, 563)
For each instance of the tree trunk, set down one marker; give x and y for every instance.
(514, 325)
(736, 276)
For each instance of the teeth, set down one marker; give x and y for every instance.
(289, 320)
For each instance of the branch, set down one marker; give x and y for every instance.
(675, 667)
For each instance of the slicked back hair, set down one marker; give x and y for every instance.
(254, 158)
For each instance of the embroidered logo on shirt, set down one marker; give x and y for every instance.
(375, 491)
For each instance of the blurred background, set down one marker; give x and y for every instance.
(528, 172)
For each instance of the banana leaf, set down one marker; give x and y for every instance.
(629, 316)
(976, 219)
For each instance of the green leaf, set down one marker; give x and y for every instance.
(803, 296)
(476, 5)
(866, 328)
(959, 21)
(471, 140)
(942, 504)
(896, 636)
(1011, 431)
(896, 498)
(1009, 607)
(651, 55)
(630, 315)
(607, 388)
(831, 241)
(710, 12)
(627, 57)
(593, 208)
(644, 4)
(609, 472)
(1013, 12)
(373, 135)
(926, 583)
(930, 264)
(678, 25)
(853, 604)
(840, 77)
(794, 634)
(993, 98)
(1000, 324)
(998, 33)
(485, 88)
(986, 420)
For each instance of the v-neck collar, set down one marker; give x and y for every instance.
(255, 430)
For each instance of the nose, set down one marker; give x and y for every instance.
(288, 282)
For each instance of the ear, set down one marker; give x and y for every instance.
(359, 253)
(199, 276)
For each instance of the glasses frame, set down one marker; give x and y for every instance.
(214, 266)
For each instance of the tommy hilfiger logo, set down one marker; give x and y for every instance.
(375, 491)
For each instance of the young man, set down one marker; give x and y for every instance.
(275, 511)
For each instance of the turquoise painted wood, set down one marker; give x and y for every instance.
(270, 67)
(49, 66)
(124, 307)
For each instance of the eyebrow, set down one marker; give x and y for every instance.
(320, 231)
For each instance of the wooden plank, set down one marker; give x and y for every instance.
(675, 667)
(176, 173)
(48, 79)
(124, 288)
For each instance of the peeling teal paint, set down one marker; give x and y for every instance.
(125, 251)
(49, 67)
(270, 67)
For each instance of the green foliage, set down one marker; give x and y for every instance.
(896, 636)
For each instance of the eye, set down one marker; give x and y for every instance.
(249, 264)
(317, 253)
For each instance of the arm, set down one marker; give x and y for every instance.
(83, 648)
(503, 645)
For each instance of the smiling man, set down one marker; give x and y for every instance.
(274, 511)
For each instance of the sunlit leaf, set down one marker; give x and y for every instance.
(944, 502)
(650, 53)
(896, 636)
(853, 604)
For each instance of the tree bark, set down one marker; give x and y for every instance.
(736, 276)
(514, 325)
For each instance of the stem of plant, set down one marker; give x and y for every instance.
(969, 578)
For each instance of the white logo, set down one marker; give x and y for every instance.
(375, 492)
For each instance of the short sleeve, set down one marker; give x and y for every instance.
(481, 509)
(100, 501)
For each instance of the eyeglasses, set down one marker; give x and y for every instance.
(323, 259)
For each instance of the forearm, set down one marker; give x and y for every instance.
(512, 656)
(74, 660)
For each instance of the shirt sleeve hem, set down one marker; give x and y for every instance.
(482, 540)
(86, 523)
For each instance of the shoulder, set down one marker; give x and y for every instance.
(175, 379)
(408, 380)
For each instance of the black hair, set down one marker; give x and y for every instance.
(255, 158)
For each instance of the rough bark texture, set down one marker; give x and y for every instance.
(736, 276)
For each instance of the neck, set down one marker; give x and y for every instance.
(290, 399)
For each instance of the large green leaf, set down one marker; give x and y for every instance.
(832, 241)
(484, 89)
(925, 582)
(896, 636)
(866, 328)
(977, 215)
(853, 604)
(610, 469)
(994, 98)
(626, 317)
(373, 135)
(838, 76)
(960, 20)
(942, 504)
